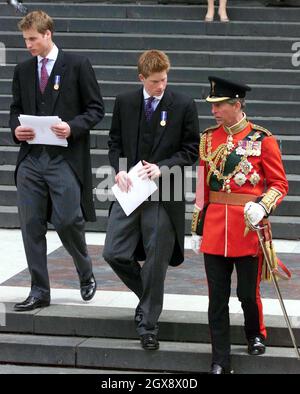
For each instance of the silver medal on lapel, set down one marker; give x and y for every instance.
(163, 118)
(56, 82)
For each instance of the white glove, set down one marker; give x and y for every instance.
(254, 212)
(195, 243)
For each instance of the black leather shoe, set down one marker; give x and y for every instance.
(256, 346)
(31, 303)
(88, 288)
(149, 342)
(217, 369)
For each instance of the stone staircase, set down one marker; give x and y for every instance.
(105, 339)
(258, 47)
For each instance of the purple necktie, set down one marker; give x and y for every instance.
(44, 75)
(148, 108)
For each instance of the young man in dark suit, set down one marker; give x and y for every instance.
(160, 128)
(54, 183)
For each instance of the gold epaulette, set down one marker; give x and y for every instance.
(260, 128)
(211, 128)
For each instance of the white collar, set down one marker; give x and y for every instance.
(146, 95)
(52, 55)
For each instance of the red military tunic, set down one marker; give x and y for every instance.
(261, 171)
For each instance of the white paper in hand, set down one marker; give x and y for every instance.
(42, 128)
(141, 189)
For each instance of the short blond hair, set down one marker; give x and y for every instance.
(153, 61)
(38, 20)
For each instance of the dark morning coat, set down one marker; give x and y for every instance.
(77, 101)
(175, 144)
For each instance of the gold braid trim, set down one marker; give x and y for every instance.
(213, 156)
(211, 128)
(260, 128)
(270, 199)
(195, 219)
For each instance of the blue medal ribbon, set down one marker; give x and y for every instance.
(56, 82)
(163, 118)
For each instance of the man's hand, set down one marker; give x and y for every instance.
(24, 133)
(195, 243)
(254, 212)
(62, 130)
(149, 170)
(123, 181)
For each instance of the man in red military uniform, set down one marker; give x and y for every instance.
(243, 175)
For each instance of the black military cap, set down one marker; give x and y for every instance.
(223, 89)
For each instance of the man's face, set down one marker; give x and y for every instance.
(155, 84)
(225, 113)
(37, 43)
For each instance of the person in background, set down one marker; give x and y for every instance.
(221, 12)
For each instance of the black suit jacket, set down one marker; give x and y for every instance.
(77, 101)
(175, 144)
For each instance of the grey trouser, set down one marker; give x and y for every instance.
(150, 222)
(40, 181)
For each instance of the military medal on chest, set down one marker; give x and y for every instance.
(246, 167)
(254, 178)
(249, 148)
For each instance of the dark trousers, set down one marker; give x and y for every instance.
(150, 222)
(41, 180)
(219, 270)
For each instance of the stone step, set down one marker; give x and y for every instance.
(286, 227)
(16, 51)
(91, 337)
(113, 353)
(189, 74)
(5, 137)
(289, 145)
(294, 184)
(269, 109)
(264, 93)
(166, 11)
(224, 59)
(167, 26)
(7, 175)
(11, 369)
(111, 322)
